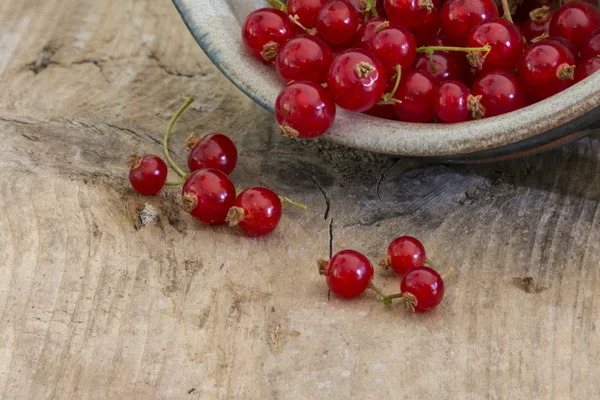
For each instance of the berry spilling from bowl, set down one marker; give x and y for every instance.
(424, 61)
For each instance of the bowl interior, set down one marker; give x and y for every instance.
(216, 26)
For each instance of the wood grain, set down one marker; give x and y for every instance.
(92, 305)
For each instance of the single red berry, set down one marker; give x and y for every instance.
(304, 58)
(575, 21)
(404, 254)
(265, 31)
(547, 68)
(421, 17)
(460, 16)
(497, 92)
(148, 174)
(417, 92)
(422, 289)
(591, 46)
(212, 151)
(362, 39)
(348, 273)
(306, 10)
(440, 65)
(356, 80)
(452, 104)
(394, 46)
(587, 68)
(304, 110)
(208, 194)
(257, 211)
(337, 22)
(537, 24)
(505, 40)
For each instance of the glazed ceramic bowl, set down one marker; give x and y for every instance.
(575, 112)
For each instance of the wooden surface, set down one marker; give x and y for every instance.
(92, 305)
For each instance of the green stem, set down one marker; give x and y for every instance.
(175, 183)
(431, 49)
(276, 4)
(188, 101)
(376, 290)
(371, 8)
(394, 296)
(429, 263)
(388, 98)
(286, 201)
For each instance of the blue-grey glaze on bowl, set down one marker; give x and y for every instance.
(575, 112)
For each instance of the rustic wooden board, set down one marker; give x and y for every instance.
(94, 306)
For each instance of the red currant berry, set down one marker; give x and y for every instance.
(591, 46)
(452, 103)
(404, 254)
(306, 10)
(362, 39)
(337, 22)
(356, 80)
(208, 194)
(394, 46)
(304, 58)
(421, 17)
(504, 38)
(547, 68)
(304, 110)
(148, 174)
(575, 21)
(587, 68)
(417, 92)
(348, 273)
(441, 66)
(265, 31)
(212, 151)
(460, 16)
(422, 289)
(496, 92)
(257, 211)
(537, 24)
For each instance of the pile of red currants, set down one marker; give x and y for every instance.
(208, 193)
(420, 60)
(349, 273)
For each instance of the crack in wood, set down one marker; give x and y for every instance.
(324, 193)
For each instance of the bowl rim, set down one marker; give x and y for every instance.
(206, 19)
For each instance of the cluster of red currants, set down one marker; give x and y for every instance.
(208, 193)
(349, 273)
(363, 55)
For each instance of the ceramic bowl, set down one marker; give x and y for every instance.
(575, 112)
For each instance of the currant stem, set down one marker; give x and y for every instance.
(376, 290)
(371, 8)
(429, 263)
(175, 183)
(394, 296)
(277, 4)
(506, 11)
(286, 201)
(294, 19)
(451, 270)
(188, 101)
(389, 97)
(430, 49)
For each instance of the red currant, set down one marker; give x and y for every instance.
(404, 254)
(394, 46)
(213, 151)
(537, 23)
(421, 17)
(362, 39)
(417, 92)
(460, 16)
(265, 30)
(587, 68)
(304, 58)
(304, 109)
(422, 289)
(500, 92)
(575, 21)
(505, 40)
(337, 22)
(440, 65)
(208, 194)
(591, 46)
(148, 174)
(356, 80)
(547, 68)
(348, 273)
(306, 10)
(257, 211)
(452, 103)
